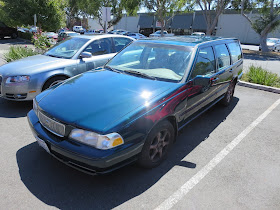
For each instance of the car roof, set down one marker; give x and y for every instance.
(185, 40)
(95, 36)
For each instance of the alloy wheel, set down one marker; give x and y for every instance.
(158, 147)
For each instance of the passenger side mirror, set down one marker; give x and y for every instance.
(201, 81)
(85, 55)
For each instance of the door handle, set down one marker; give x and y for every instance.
(213, 80)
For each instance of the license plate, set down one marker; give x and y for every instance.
(43, 144)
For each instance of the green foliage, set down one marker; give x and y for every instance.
(89, 8)
(26, 35)
(41, 42)
(248, 5)
(50, 13)
(18, 52)
(260, 76)
(261, 22)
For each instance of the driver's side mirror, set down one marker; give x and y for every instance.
(201, 81)
(85, 55)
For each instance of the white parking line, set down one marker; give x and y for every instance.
(180, 193)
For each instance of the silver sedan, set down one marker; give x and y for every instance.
(26, 78)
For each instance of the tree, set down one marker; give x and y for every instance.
(211, 10)
(267, 20)
(164, 9)
(90, 8)
(50, 13)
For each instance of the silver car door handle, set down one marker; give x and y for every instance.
(215, 79)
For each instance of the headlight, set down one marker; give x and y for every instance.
(17, 79)
(98, 141)
(35, 106)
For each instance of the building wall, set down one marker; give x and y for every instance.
(128, 24)
(235, 25)
(94, 24)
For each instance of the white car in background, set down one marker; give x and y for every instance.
(33, 29)
(158, 34)
(136, 35)
(273, 44)
(79, 29)
(198, 34)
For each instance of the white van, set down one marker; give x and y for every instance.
(78, 29)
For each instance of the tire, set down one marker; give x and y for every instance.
(157, 145)
(53, 81)
(229, 94)
(14, 36)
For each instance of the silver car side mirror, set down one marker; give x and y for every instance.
(85, 55)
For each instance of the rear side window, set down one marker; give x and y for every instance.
(100, 47)
(205, 63)
(222, 55)
(235, 51)
(120, 43)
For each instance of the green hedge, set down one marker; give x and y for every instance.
(26, 35)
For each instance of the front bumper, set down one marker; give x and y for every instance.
(18, 92)
(82, 157)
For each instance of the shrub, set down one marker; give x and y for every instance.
(260, 76)
(41, 42)
(18, 52)
(26, 35)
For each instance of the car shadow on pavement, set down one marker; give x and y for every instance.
(261, 57)
(58, 185)
(14, 109)
(10, 41)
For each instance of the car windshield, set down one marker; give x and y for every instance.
(153, 60)
(67, 48)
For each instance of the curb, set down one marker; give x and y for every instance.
(259, 87)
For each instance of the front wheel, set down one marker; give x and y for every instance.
(229, 94)
(53, 81)
(157, 145)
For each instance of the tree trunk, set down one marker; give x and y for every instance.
(263, 43)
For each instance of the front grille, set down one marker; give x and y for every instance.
(51, 125)
(16, 96)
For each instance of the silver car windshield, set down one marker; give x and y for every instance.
(158, 61)
(67, 48)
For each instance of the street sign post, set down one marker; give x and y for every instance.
(106, 16)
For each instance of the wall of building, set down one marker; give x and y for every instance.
(235, 25)
(128, 24)
(94, 24)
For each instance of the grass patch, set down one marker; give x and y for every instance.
(18, 52)
(261, 76)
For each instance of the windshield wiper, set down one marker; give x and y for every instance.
(112, 69)
(54, 56)
(140, 74)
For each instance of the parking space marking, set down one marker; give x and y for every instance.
(191, 183)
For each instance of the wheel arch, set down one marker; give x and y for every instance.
(171, 119)
(53, 76)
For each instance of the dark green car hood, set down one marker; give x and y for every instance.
(97, 100)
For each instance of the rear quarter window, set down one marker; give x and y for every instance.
(222, 54)
(235, 51)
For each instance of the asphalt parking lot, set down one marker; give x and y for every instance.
(244, 176)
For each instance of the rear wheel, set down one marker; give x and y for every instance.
(157, 145)
(14, 35)
(229, 94)
(53, 81)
